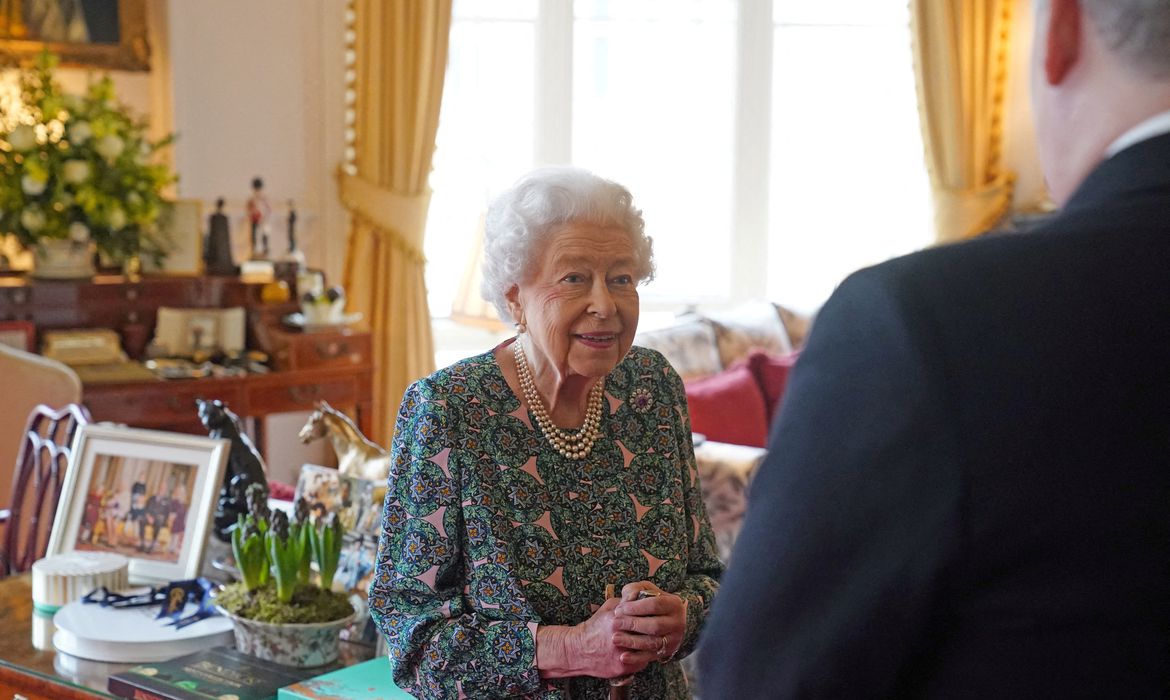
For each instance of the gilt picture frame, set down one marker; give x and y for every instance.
(148, 495)
(103, 34)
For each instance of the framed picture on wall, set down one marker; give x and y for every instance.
(145, 494)
(109, 34)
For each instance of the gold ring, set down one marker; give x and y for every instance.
(662, 646)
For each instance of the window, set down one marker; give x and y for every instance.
(773, 145)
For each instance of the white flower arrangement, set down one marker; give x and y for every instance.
(79, 168)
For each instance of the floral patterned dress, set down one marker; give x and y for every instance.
(488, 532)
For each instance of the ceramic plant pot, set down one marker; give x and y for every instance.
(59, 259)
(300, 645)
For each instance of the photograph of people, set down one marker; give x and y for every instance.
(137, 507)
(534, 476)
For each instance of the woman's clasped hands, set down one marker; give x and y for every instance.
(626, 634)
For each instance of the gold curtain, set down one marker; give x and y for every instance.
(960, 65)
(400, 61)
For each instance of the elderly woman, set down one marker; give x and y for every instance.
(530, 479)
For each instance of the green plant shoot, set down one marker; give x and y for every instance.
(301, 529)
(248, 549)
(285, 553)
(326, 542)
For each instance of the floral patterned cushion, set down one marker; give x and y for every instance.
(753, 325)
(796, 324)
(725, 470)
(689, 346)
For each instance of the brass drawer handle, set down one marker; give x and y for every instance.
(300, 395)
(329, 351)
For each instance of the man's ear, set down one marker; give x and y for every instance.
(1063, 34)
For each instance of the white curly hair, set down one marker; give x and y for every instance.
(526, 214)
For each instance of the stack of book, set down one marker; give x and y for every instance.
(223, 671)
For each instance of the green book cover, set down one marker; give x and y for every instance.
(369, 680)
(211, 674)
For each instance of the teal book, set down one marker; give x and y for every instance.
(369, 680)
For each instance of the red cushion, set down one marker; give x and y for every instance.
(728, 407)
(280, 491)
(771, 372)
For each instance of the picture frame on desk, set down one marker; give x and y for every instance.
(182, 229)
(146, 494)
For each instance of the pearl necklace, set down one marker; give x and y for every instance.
(572, 444)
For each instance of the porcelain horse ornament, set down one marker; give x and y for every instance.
(356, 454)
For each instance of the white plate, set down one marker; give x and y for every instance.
(133, 635)
(698, 439)
(297, 320)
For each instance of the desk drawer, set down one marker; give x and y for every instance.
(330, 351)
(302, 394)
(158, 404)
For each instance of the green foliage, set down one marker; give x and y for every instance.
(248, 549)
(326, 541)
(270, 546)
(80, 167)
(285, 554)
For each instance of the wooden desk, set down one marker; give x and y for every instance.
(170, 404)
(335, 365)
(34, 674)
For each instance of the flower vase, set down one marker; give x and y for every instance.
(62, 259)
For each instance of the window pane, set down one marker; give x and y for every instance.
(653, 108)
(841, 12)
(848, 183)
(494, 9)
(484, 141)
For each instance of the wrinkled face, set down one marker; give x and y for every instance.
(580, 300)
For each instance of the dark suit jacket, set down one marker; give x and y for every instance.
(967, 492)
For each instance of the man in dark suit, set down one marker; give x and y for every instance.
(967, 492)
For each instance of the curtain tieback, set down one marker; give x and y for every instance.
(401, 215)
(967, 212)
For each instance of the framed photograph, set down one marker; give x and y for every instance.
(182, 228)
(183, 332)
(21, 335)
(146, 494)
(108, 34)
(356, 501)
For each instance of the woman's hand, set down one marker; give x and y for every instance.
(591, 648)
(656, 623)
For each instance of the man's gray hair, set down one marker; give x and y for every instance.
(528, 212)
(1136, 30)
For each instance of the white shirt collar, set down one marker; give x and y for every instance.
(1154, 126)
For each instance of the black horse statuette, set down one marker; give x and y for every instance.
(244, 467)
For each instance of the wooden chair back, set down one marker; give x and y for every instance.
(36, 485)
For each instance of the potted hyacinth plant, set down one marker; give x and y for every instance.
(279, 612)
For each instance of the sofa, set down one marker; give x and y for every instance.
(734, 364)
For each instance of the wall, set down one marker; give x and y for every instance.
(257, 89)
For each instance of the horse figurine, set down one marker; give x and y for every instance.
(244, 466)
(356, 454)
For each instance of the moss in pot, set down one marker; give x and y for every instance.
(279, 613)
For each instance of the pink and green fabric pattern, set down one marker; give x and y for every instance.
(489, 532)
